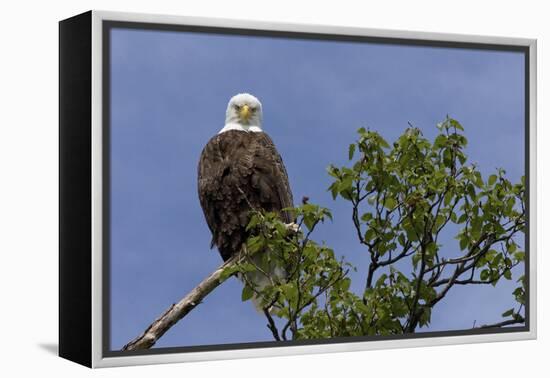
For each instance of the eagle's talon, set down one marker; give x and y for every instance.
(293, 227)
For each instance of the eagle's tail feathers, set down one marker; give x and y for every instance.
(260, 281)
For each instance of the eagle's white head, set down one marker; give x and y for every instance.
(244, 112)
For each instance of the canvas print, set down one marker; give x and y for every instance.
(275, 189)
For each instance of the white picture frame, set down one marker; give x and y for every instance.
(84, 275)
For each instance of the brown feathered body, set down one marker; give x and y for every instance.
(240, 171)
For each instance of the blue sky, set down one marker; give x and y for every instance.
(168, 97)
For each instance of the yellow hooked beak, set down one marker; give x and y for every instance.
(245, 112)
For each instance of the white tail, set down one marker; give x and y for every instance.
(258, 280)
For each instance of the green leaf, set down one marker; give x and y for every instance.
(228, 271)
(333, 171)
(246, 293)
(439, 220)
(425, 317)
(381, 280)
(518, 291)
(507, 274)
(471, 192)
(478, 180)
(255, 243)
(383, 143)
(519, 256)
(415, 259)
(484, 275)
(456, 124)
(492, 180)
(351, 151)
(401, 239)
(247, 267)
(496, 261)
(254, 220)
(448, 198)
(390, 203)
(291, 292)
(345, 284)
(411, 233)
(366, 217)
(310, 251)
(431, 249)
(440, 141)
(370, 234)
(309, 221)
(507, 312)
(463, 242)
(334, 189)
(463, 218)
(454, 217)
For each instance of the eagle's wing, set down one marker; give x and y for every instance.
(210, 168)
(276, 175)
(239, 171)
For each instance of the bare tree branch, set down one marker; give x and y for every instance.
(179, 310)
(516, 320)
(271, 324)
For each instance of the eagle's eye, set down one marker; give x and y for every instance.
(237, 107)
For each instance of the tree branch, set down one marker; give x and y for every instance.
(471, 280)
(271, 324)
(179, 310)
(518, 319)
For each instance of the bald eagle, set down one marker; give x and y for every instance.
(240, 170)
